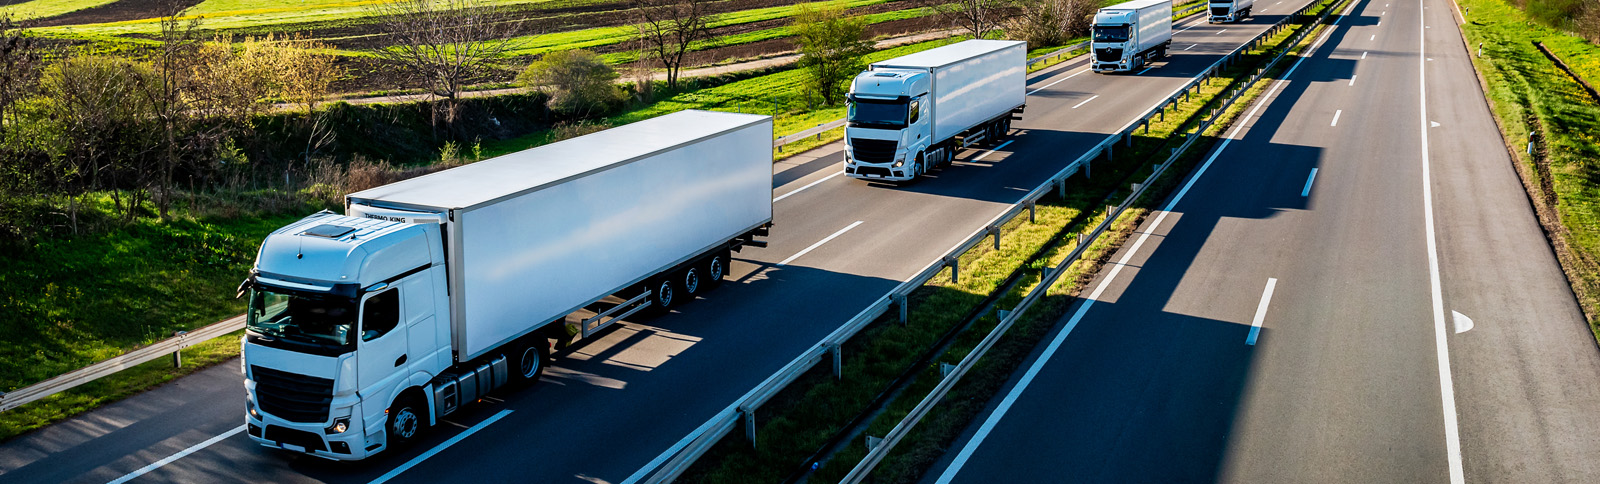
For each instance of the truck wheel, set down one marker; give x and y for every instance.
(716, 269)
(529, 357)
(663, 295)
(692, 282)
(406, 421)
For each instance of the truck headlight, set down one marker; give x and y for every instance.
(340, 425)
(250, 406)
(900, 163)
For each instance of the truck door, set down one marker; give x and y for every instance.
(919, 122)
(381, 357)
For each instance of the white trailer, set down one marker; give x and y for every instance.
(1229, 10)
(366, 328)
(1129, 35)
(912, 113)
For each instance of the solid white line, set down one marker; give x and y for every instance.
(1086, 101)
(1447, 392)
(994, 418)
(986, 153)
(1261, 312)
(1307, 191)
(1191, 46)
(808, 185)
(1058, 81)
(181, 454)
(819, 244)
(1336, 117)
(425, 455)
(1353, 79)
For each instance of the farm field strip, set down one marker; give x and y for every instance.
(49, 8)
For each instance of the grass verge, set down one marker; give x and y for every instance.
(1533, 100)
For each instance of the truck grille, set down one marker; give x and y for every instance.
(1108, 54)
(873, 150)
(292, 397)
(1219, 11)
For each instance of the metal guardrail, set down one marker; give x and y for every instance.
(900, 430)
(743, 410)
(128, 360)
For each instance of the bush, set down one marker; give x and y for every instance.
(1051, 22)
(578, 82)
(831, 48)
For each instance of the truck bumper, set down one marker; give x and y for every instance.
(868, 171)
(313, 439)
(1110, 66)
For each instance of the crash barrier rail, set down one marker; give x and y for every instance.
(183, 340)
(680, 456)
(1008, 319)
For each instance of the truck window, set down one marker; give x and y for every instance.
(916, 110)
(1111, 33)
(380, 314)
(305, 319)
(868, 113)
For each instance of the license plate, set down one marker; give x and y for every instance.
(292, 447)
(876, 176)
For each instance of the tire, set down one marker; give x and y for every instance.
(1002, 130)
(406, 421)
(716, 268)
(691, 281)
(528, 359)
(664, 295)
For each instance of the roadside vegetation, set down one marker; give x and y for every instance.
(1535, 101)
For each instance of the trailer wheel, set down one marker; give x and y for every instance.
(530, 357)
(406, 421)
(692, 282)
(716, 268)
(663, 295)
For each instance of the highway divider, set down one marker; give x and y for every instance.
(678, 458)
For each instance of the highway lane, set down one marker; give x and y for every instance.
(1314, 225)
(615, 403)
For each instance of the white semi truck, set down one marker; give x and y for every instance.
(1230, 10)
(1131, 34)
(366, 328)
(912, 113)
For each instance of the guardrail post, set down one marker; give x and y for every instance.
(749, 418)
(177, 354)
(900, 303)
(1061, 185)
(995, 231)
(838, 361)
(1030, 212)
(1129, 137)
(955, 268)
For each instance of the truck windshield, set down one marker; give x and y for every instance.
(325, 321)
(878, 114)
(1111, 33)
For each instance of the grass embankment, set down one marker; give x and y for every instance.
(801, 419)
(1534, 100)
(70, 301)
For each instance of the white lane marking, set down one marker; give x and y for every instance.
(1058, 81)
(986, 153)
(1191, 46)
(1219, 32)
(1363, 56)
(1433, 124)
(1261, 311)
(441, 447)
(1379, 24)
(1374, 36)
(1306, 192)
(808, 185)
(181, 454)
(1336, 117)
(1086, 101)
(1353, 79)
(818, 244)
(1463, 323)
(999, 412)
(1447, 391)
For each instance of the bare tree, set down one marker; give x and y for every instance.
(977, 17)
(20, 59)
(1050, 22)
(447, 43)
(668, 27)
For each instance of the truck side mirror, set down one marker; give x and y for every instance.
(243, 286)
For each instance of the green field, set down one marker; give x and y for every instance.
(49, 8)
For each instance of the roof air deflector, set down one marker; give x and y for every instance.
(329, 231)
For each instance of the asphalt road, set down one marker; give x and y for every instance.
(618, 401)
(1366, 367)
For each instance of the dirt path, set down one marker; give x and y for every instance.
(784, 58)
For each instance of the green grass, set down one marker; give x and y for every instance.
(1532, 97)
(49, 8)
(69, 301)
(804, 416)
(229, 14)
(602, 36)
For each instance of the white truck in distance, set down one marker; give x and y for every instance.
(1131, 34)
(364, 329)
(912, 113)
(1230, 10)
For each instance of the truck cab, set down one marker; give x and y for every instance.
(888, 124)
(1112, 41)
(344, 314)
(1222, 11)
